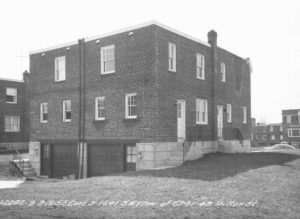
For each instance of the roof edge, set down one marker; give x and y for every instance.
(12, 80)
(88, 39)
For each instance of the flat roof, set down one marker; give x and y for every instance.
(153, 22)
(10, 79)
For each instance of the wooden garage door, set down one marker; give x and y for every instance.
(105, 159)
(64, 160)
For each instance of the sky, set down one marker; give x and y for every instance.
(266, 31)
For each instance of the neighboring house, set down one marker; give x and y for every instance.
(140, 98)
(14, 132)
(291, 126)
(270, 134)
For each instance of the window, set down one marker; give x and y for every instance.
(201, 111)
(281, 137)
(228, 110)
(172, 57)
(60, 69)
(131, 154)
(108, 59)
(288, 119)
(12, 123)
(244, 115)
(43, 112)
(281, 129)
(99, 108)
(11, 95)
(67, 111)
(223, 72)
(272, 137)
(293, 132)
(200, 66)
(271, 128)
(264, 137)
(130, 106)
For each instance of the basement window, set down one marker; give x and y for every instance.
(11, 95)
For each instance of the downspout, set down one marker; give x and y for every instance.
(83, 122)
(79, 116)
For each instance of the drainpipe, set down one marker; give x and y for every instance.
(83, 117)
(79, 116)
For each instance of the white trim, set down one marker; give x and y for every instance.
(96, 108)
(15, 97)
(201, 57)
(199, 103)
(229, 112)
(290, 133)
(244, 115)
(131, 28)
(172, 56)
(126, 106)
(12, 80)
(102, 59)
(61, 74)
(11, 119)
(223, 72)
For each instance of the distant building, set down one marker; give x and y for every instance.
(14, 133)
(261, 134)
(291, 126)
(270, 134)
(275, 133)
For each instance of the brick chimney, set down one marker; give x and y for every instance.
(212, 37)
(26, 76)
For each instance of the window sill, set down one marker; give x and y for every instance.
(174, 71)
(202, 79)
(43, 122)
(130, 118)
(197, 123)
(99, 120)
(67, 121)
(61, 81)
(107, 73)
(11, 102)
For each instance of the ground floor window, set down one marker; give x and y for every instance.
(12, 123)
(293, 132)
(131, 154)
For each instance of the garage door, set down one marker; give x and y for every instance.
(105, 159)
(64, 160)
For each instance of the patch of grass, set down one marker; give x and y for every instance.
(271, 179)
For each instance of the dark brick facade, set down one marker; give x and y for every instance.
(141, 66)
(13, 109)
(291, 124)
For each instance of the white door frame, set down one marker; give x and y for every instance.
(220, 121)
(181, 120)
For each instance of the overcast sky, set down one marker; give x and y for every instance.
(266, 31)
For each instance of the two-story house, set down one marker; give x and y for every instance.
(143, 97)
(14, 130)
(291, 126)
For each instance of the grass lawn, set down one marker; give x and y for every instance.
(269, 181)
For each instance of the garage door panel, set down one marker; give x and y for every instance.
(64, 160)
(105, 159)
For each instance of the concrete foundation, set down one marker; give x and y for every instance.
(34, 156)
(9, 146)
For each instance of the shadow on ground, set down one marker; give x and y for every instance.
(218, 166)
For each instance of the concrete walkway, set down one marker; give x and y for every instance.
(10, 184)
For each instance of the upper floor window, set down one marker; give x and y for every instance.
(288, 119)
(244, 115)
(11, 95)
(200, 66)
(172, 57)
(201, 111)
(60, 69)
(281, 137)
(228, 110)
(293, 132)
(43, 112)
(130, 106)
(108, 59)
(67, 110)
(223, 72)
(12, 123)
(272, 137)
(271, 128)
(99, 108)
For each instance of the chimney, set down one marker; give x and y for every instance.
(26, 76)
(212, 37)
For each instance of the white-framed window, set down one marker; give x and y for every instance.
(281, 137)
(272, 137)
(60, 68)
(130, 154)
(200, 66)
(44, 112)
(223, 72)
(67, 110)
(281, 129)
(271, 129)
(229, 113)
(293, 132)
(99, 108)
(108, 59)
(244, 115)
(288, 119)
(12, 123)
(131, 106)
(172, 57)
(201, 111)
(11, 95)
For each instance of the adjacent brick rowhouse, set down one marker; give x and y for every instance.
(141, 66)
(10, 140)
(291, 126)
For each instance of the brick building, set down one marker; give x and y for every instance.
(291, 126)
(265, 135)
(144, 97)
(14, 132)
